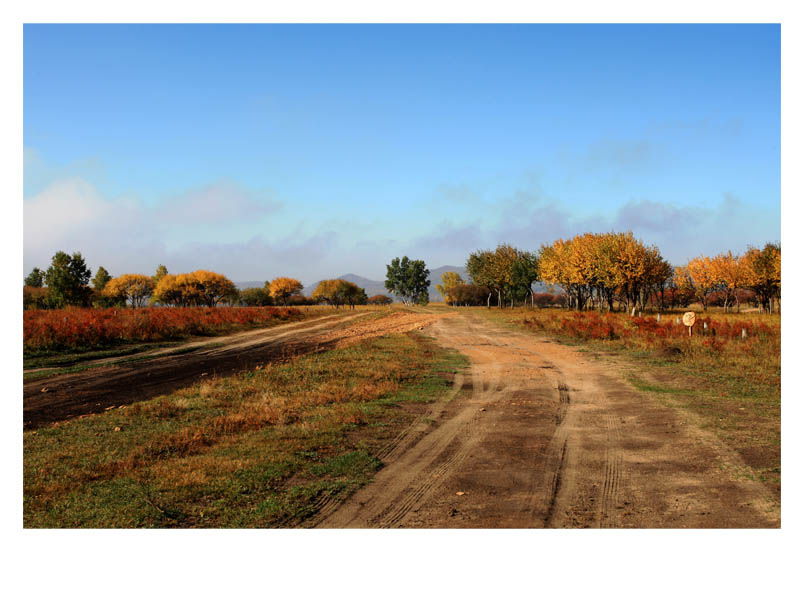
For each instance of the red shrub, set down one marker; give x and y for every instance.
(74, 328)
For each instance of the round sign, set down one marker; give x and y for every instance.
(688, 318)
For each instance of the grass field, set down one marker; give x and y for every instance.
(259, 449)
(730, 385)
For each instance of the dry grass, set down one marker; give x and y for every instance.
(259, 449)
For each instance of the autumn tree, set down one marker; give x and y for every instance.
(198, 288)
(212, 288)
(450, 279)
(408, 279)
(762, 274)
(594, 268)
(683, 291)
(283, 287)
(380, 300)
(729, 274)
(703, 279)
(328, 292)
(659, 272)
(632, 262)
(557, 267)
(132, 288)
(35, 278)
(168, 291)
(67, 280)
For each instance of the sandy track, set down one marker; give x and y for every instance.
(542, 437)
(66, 396)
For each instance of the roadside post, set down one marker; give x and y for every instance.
(688, 320)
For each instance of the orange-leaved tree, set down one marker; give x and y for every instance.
(728, 272)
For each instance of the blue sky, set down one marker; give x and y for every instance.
(312, 151)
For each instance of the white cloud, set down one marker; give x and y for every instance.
(125, 235)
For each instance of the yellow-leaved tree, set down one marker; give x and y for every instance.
(450, 279)
(212, 287)
(594, 268)
(702, 274)
(132, 288)
(326, 292)
(762, 274)
(198, 288)
(728, 272)
(281, 288)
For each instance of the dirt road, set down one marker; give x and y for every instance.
(66, 396)
(541, 436)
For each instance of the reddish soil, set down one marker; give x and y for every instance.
(540, 436)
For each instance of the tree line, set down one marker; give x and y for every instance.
(757, 270)
(68, 282)
(602, 271)
(613, 271)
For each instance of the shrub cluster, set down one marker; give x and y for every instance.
(77, 328)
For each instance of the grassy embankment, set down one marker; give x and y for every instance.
(731, 386)
(260, 449)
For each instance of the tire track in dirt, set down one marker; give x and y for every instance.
(549, 438)
(407, 438)
(418, 467)
(611, 481)
(67, 396)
